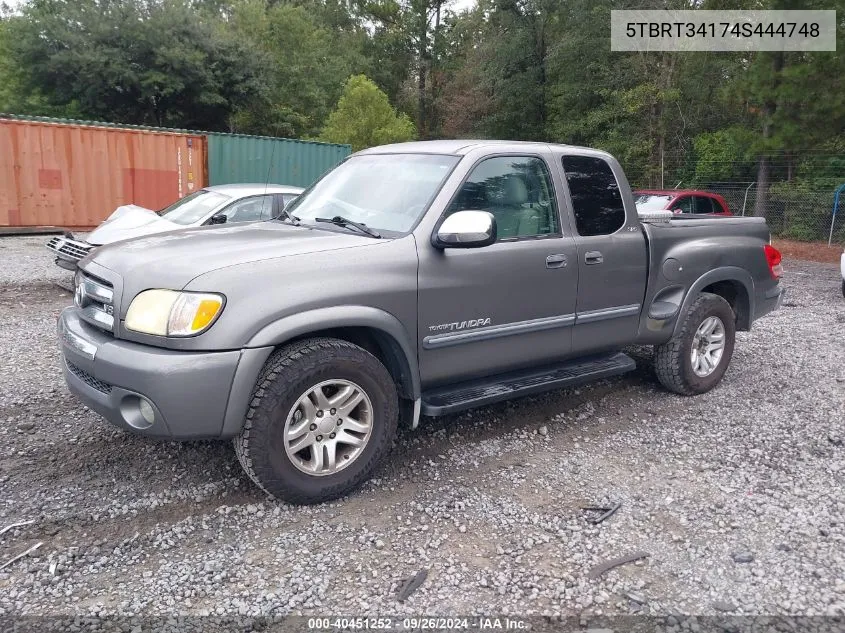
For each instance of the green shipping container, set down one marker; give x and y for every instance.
(234, 158)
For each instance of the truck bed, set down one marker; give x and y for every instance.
(695, 252)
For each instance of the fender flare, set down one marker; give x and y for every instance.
(402, 345)
(725, 273)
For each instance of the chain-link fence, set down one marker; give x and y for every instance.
(792, 213)
(798, 203)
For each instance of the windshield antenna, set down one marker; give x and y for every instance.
(267, 180)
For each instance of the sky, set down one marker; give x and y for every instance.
(460, 5)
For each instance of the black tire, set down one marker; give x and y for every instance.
(843, 287)
(289, 373)
(673, 361)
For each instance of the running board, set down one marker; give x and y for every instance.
(482, 391)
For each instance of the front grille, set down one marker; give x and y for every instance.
(95, 297)
(88, 379)
(68, 248)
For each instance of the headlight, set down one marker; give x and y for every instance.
(172, 313)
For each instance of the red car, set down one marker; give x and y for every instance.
(681, 201)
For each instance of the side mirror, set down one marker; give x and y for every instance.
(466, 229)
(220, 218)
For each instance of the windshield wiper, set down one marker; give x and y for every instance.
(339, 220)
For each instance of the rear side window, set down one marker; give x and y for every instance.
(250, 209)
(703, 204)
(596, 200)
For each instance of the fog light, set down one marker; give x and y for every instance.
(146, 410)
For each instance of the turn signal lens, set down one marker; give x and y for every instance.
(773, 258)
(205, 313)
(192, 313)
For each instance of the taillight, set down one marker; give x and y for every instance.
(773, 258)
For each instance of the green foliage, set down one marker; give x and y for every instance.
(803, 211)
(15, 93)
(160, 62)
(723, 156)
(309, 62)
(364, 118)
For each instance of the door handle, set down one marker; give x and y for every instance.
(593, 257)
(556, 261)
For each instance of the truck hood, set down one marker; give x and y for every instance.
(173, 259)
(127, 222)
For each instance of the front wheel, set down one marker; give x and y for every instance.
(322, 415)
(695, 360)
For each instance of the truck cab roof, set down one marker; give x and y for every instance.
(460, 147)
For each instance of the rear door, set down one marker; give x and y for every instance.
(611, 252)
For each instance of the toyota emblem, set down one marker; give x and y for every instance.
(80, 296)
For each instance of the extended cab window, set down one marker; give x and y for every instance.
(596, 200)
(517, 190)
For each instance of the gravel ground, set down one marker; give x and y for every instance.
(737, 495)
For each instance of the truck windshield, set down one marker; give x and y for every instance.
(387, 192)
(194, 207)
(650, 201)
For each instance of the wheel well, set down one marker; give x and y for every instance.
(737, 296)
(379, 344)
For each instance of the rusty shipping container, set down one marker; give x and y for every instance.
(74, 174)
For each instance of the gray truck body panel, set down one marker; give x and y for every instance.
(435, 316)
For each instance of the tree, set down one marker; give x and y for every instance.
(777, 89)
(311, 52)
(160, 62)
(464, 101)
(723, 156)
(364, 118)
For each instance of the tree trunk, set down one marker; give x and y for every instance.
(661, 149)
(764, 169)
(422, 119)
(434, 122)
(541, 55)
(763, 175)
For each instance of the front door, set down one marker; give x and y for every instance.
(488, 310)
(612, 257)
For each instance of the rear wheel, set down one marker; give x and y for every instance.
(696, 359)
(322, 415)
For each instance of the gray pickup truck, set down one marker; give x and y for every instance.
(413, 279)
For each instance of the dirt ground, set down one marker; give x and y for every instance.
(809, 251)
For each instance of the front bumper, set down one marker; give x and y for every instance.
(189, 392)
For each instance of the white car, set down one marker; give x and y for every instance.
(218, 204)
(842, 271)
